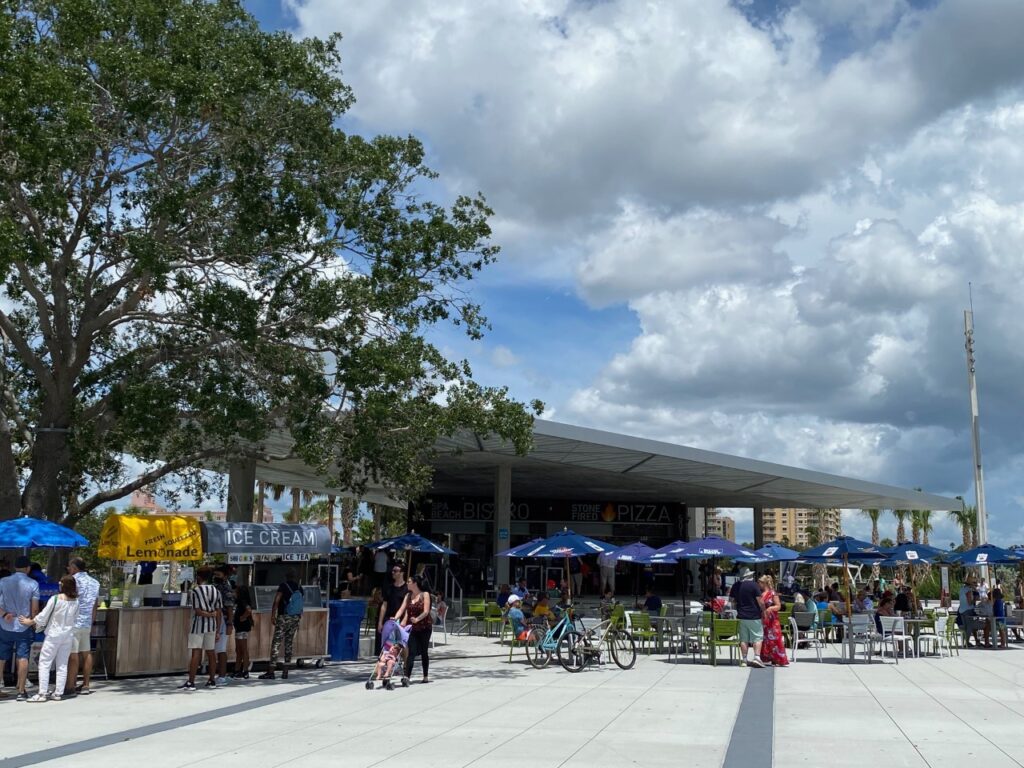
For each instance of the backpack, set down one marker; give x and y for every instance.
(294, 605)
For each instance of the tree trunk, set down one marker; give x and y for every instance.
(377, 521)
(48, 472)
(10, 493)
(261, 500)
(965, 531)
(349, 509)
(330, 516)
(876, 569)
(296, 505)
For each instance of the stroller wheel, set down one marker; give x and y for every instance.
(405, 682)
(369, 685)
(390, 686)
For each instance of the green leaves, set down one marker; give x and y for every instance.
(196, 255)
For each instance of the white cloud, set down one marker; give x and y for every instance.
(559, 108)
(792, 207)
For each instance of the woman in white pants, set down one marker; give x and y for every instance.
(58, 619)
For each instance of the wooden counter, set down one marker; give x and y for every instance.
(152, 641)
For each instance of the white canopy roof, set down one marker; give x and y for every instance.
(569, 462)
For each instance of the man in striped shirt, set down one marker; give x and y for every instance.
(205, 630)
(81, 650)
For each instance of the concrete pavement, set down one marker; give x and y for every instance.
(482, 711)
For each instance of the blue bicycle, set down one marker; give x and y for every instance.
(558, 640)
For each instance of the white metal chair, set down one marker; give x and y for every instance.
(940, 638)
(804, 634)
(862, 632)
(893, 634)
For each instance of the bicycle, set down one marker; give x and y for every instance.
(541, 645)
(576, 650)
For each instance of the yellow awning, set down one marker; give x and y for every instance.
(151, 537)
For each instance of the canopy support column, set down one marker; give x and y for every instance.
(241, 500)
(696, 528)
(502, 520)
(758, 527)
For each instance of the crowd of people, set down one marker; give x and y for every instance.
(65, 611)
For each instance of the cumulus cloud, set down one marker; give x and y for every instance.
(791, 204)
(559, 108)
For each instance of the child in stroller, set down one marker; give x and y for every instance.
(394, 641)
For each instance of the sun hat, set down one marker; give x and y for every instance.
(745, 574)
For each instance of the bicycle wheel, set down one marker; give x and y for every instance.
(623, 648)
(536, 654)
(570, 652)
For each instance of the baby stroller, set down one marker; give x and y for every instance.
(394, 641)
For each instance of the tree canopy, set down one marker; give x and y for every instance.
(196, 253)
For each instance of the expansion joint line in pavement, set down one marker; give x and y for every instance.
(621, 712)
(887, 714)
(98, 742)
(755, 723)
(528, 693)
(957, 716)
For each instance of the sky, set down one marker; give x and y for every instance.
(746, 226)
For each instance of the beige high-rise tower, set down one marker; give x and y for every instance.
(797, 527)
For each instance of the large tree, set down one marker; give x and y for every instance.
(195, 253)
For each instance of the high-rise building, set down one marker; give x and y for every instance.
(717, 524)
(800, 528)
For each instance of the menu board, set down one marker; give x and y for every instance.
(264, 597)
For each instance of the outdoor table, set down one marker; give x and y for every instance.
(667, 627)
(848, 645)
(913, 625)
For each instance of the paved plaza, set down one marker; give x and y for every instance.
(482, 711)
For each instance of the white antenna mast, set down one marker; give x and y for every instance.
(979, 475)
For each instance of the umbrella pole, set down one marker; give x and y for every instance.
(568, 579)
(849, 606)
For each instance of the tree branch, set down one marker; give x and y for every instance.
(145, 479)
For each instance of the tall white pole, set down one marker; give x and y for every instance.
(979, 475)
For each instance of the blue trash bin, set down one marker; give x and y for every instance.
(345, 617)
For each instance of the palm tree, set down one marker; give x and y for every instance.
(349, 510)
(915, 525)
(873, 515)
(925, 525)
(964, 518)
(901, 516)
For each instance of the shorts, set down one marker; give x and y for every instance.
(751, 631)
(201, 641)
(16, 643)
(241, 635)
(83, 640)
(221, 645)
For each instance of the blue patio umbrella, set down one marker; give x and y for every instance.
(27, 532)
(412, 542)
(776, 552)
(520, 549)
(911, 553)
(843, 548)
(409, 543)
(985, 554)
(637, 553)
(713, 547)
(568, 544)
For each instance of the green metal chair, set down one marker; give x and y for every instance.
(476, 609)
(493, 618)
(638, 623)
(618, 617)
(725, 634)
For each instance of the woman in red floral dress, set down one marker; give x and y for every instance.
(773, 648)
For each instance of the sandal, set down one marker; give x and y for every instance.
(37, 698)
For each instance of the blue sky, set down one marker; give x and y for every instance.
(747, 226)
